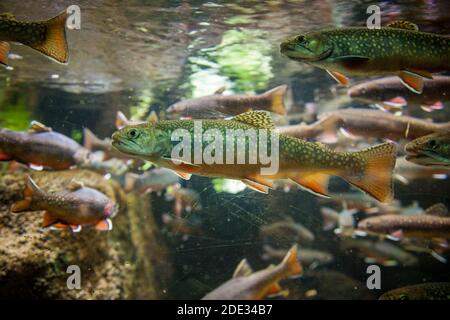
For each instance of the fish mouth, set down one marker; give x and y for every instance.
(289, 51)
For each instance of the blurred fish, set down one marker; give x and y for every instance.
(332, 218)
(40, 146)
(93, 143)
(406, 52)
(364, 203)
(416, 226)
(377, 124)
(406, 171)
(369, 169)
(154, 180)
(178, 225)
(185, 199)
(249, 285)
(113, 166)
(430, 150)
(287, 228)
(391, 94)
(47, 37)
(308, 257)
(379, 251)
(423, 291)
(72, 208)
(221, 106)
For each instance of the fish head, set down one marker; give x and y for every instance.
(142, 141)
(177, 107)
(110, 209)
(364, 91)
(308, 47)
(433, 149)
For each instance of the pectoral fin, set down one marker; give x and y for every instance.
(413, 79)
(255, 186)
(49, 220)
(339, 77)
(4, 51)
(261, 181)
(104, 225)
(183, 175)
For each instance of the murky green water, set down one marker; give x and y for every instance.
(143, 56)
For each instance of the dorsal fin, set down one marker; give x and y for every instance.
(152, 117)
(402, 24)
(74, 185)
(220, 90)
(438, 209)
(243, 269)
(36, 127)
(258, 119)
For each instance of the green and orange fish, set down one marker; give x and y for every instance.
(307, 163)
(47, 37)
(423, 291)
(73, 208)
(396, 49)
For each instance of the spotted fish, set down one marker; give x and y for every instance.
(309, 164)
(399, 48)
(47, 37)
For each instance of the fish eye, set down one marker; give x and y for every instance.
(133, 133)
(301, 39)
(432, 144)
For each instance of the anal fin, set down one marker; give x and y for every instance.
(339, 77)
(316, 183)
(48, 220)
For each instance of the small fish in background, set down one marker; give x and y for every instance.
(222, 106)
(430, 150)
(343, 220)
(369, 169)
(177, 225)
(311, 258)
(72, 208)
(287, 228)
(47, 37)
(249, 285)
(377, 124)
(93, 143)
(406, 171)
(428, 225)
(378, 251)
(407, 52)
(423, 291)
(185, 199)
(390, 94)
(40, 146)
(155, 180)
(113, 166)
(122, 121)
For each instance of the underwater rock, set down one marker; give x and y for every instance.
(34, 261)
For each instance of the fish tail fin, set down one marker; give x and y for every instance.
(291, 264)
(376, 177)
(89, 139)
(55, 43)
(130, 181)
(31, 189)
(276, 96)
(4, 51)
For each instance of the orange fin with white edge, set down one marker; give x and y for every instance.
(261, 181)
(339, 77)
(31, 190)
(4, 51)
(255, 186)
(48, 220)
(291, 263)
(104, 225)
(275, 289)
(183, 175)
(376, 176)
(55, 43)
(316, 183)
(413, 79)
(277, 99)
